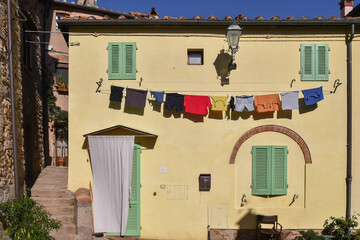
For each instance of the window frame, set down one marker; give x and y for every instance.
(195, 51)
(120, 62)
(316, 63)
(272, 168)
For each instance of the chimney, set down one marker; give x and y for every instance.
(346, 6)
(80, 2)
(90, 3)
(153, 13)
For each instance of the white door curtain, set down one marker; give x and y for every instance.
(111, 161)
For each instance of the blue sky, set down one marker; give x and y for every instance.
(251, 8)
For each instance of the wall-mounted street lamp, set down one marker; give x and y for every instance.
(233, 37)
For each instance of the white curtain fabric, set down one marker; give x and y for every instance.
(111, 161)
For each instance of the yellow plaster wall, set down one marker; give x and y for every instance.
(188, 147)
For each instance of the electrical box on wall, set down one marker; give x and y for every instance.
(204, 182)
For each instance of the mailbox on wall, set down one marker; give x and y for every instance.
(204, 182)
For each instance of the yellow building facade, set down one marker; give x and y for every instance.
(221, 143)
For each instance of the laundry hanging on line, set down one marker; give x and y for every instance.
(198, 104)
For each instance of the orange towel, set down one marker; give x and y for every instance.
(267, 103)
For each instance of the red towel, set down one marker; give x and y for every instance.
(197, 104)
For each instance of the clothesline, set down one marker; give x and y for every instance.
(223, 91)
(199, 104)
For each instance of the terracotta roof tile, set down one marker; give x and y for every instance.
(138, 14)
(304, 18)
(122, 17)
(153, 15)
(212, 17)
(318, 18)
(275, 18)
(259, 18)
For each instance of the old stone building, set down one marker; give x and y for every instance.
(29, 96)
(6, 149)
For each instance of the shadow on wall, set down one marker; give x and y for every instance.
(221, 64)
(247, 226)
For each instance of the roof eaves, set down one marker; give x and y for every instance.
(91, 9)
(191, 22)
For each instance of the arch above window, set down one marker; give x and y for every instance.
(271, 128)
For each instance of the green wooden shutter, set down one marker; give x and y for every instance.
(115, 68)
(133, 223)
(129, 60)
(261, 175)
(307, 61)
(322, 62)
(279, 170)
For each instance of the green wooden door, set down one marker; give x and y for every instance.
(133, 223)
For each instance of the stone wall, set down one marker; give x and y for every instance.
(32, 90)
(7, 189)
(6, 151)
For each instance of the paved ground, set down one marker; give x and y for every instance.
(50, 191)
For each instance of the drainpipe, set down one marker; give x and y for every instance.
(349, 124)
(12, 90)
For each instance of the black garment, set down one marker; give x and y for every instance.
(116, 93)
(135, 98)
(232, 103)
(174, 100)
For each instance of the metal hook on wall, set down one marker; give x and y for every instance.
(337, 83)
(292, 81)
(99, 83)
(140, 82)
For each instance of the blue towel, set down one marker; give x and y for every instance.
(159, 96)
(313, 95)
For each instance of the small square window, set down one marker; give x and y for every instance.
(195, 57)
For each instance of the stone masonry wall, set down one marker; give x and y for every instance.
(6, 151)
(32, 87)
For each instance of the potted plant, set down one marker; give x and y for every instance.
(341, 228)
(62, 86)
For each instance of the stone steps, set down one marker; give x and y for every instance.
(54, 201)
(65, 229)
(50, 191)
(64, 236)
(65, 219)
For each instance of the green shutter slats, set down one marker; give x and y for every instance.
(314, 62)
(114, 55)
(133, 222)
(122, 60)
(322, 62)
(279, 186)
(129, 60)
(261, 170)
(307, 62)
(115, 59)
